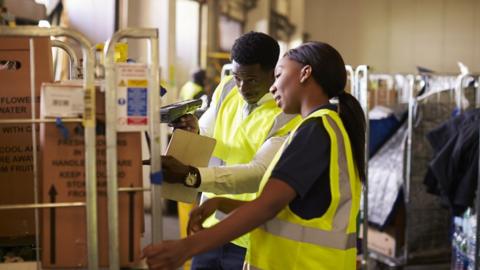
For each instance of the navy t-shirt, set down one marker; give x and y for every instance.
(305, 167)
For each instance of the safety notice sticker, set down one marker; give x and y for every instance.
(132, 105)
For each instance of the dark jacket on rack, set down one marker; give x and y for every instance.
(453, 170)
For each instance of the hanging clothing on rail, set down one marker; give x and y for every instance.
(453, 171)
(383, 123)
(385, 178)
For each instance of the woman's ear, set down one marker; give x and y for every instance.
(305, 73)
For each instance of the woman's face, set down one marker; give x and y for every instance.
(286, 89)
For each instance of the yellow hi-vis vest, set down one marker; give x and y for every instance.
(190, 90)
(323, 243)
(239, 139)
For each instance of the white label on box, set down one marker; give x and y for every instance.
(132, 97)
(62, 101)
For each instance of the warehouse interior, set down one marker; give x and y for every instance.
(84, 130)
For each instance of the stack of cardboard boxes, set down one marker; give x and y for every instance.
(64, 231)
(61, 170)
(380, 94)
(16, 147)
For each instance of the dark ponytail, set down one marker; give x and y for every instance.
(353, 119)
(328, 70)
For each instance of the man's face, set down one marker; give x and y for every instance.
(252, 81)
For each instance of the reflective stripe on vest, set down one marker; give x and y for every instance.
(247, 266)
(334, 239)
(342, 216)
(227, 88)
(299, 233)
(326, 242)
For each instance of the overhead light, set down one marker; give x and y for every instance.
(44, 23)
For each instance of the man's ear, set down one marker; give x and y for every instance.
(305, 73)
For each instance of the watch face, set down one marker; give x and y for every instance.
(190, 180)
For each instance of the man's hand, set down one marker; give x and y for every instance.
(167, 255)
(200, 213)
(188, 122)
(174, 171)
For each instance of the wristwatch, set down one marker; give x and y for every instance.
(191, 180)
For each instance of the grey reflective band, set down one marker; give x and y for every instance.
(342, 215)
(203, 198)
(299, 233)
(281, 120)
(247, 266)
(227, 88)
(338, 238)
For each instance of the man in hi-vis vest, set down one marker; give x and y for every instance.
(249, 128)
(195, 87)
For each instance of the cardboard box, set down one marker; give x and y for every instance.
(64, 229)
(19, 266)
(382, 242)
(389, 241)
(16, 161)
(379, 94)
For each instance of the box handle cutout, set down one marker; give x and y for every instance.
(10, 65)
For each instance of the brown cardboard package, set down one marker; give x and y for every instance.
(16, 162)
(382, 97)
(379, 94)
(64, 229)
(389, 241)
(384, 243)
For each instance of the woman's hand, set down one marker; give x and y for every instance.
(202, 212)
(167, 255)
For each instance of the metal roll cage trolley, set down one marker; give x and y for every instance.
(88, 121)
(360, 91)
(154, 104)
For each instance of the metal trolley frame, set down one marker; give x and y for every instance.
(154, 104)
(361, 93)
(358, 80)
(74, 62)
(89, 132)
(411, 79)
(477, 203)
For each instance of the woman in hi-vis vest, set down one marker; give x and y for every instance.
(304, 216)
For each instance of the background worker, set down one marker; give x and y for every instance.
(249, 129)
(195, 87)
(305, 214)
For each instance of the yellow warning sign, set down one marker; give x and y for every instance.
(122, 83)
(137, 83)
